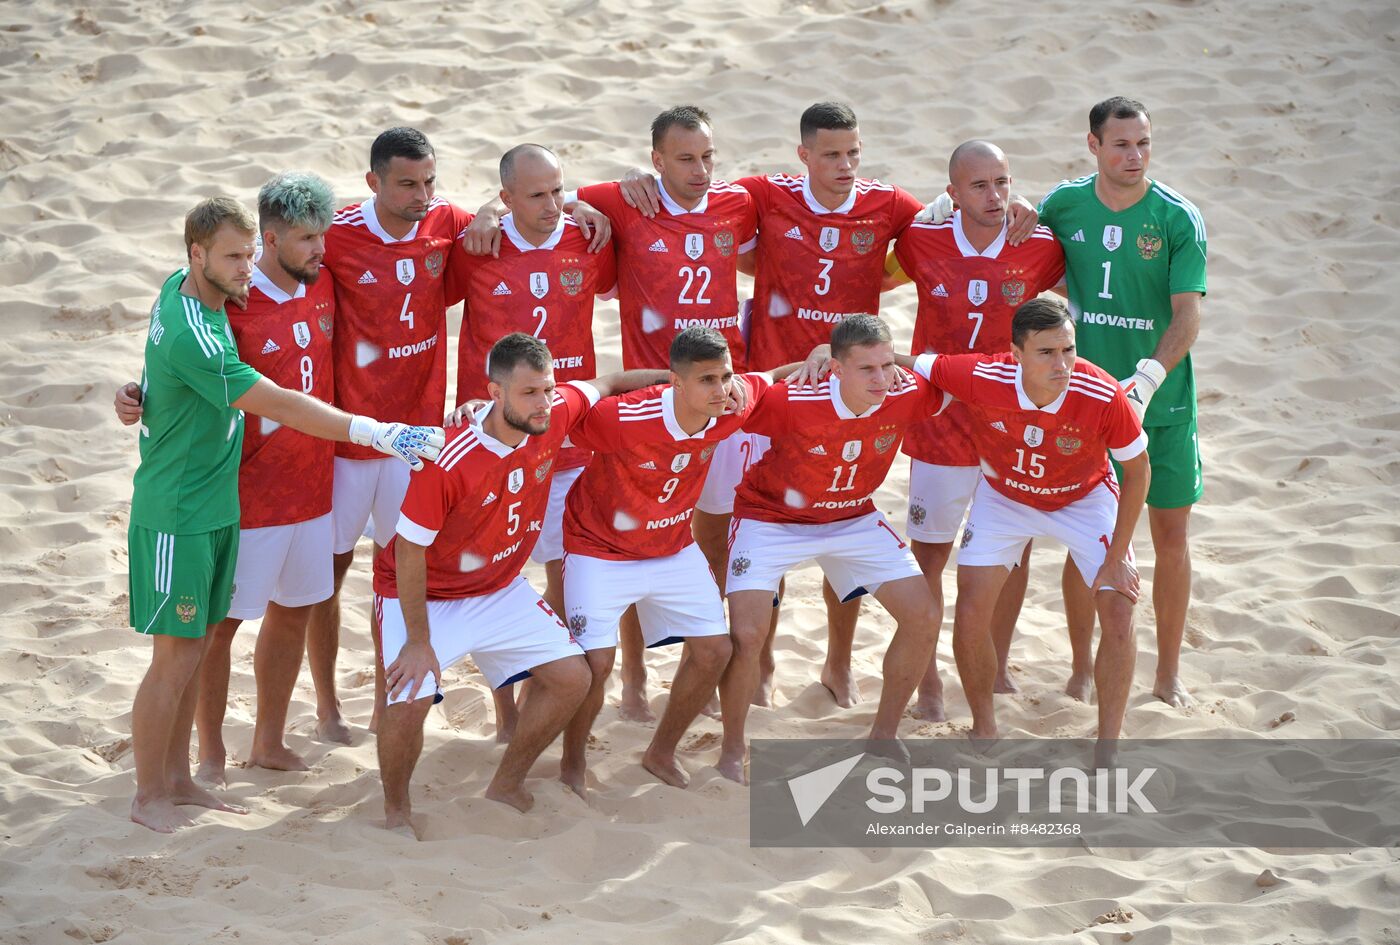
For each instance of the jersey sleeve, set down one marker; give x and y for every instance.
(951, 373)
(769, 416)
(426, 504)
(906, 205)
(604, 197)
(1186, 248)
(1122, 430)
(207, 367)
(577, 399)
(460, 264)
(1049, 208)
(599, 429)
(748, 225)
(758, 384)
(1052, 266)
(757, 186)
(606, 261)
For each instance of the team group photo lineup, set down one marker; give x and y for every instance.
(613, 471)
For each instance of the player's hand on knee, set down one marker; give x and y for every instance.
(936, 210)
(1021, 220)
(412, 444)
(640, 191)
(127, 403)
(410, 670)
(1143, 384)
(1119, 575)
(593, 224)
(464, 415)
(482, 237)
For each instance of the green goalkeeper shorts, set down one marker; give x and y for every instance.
(1174, 453)
(180, 584)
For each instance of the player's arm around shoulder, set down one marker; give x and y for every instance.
(622, 382)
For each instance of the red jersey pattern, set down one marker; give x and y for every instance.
(285, 476)
(391, 315)
(966, 300)
(479, 509)
(546, 291)
(817, 266)
(1042, 457)
(825, 462)
(677, 269)
(636, 497)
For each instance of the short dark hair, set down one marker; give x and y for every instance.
(1037, 315)
(507, 166)
(858, 330)
(826, 116)
(1116, 107)
(398, 142)
(690, 117)
(513, 350)
(697, 344)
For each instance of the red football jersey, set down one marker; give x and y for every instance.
(966, 300)
(1042, 457)
(479, 509)
(285, 476)
(825, 462)
(546, 291)
(678, 268)
(817, 266)
(636, 497)
(391, 315)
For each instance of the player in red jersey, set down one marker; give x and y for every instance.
(1044, 423)
(448, 583)
(809, 497)
(970, 279)
(389, 258)
(284, 476)
(628, 541)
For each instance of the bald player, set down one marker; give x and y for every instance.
(970, 278)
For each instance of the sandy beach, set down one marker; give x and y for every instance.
(1276, 119)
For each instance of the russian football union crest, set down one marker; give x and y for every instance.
(966, 538)
(1112, 237)
(917, 514)
(301, 333)
(739, 565)
(851, 450)
(1033, 436)
(1149, 245)
(694, 245)
(539, 284)
(977, 291)
(571, 280)
(706, 453)
(404, 270)
(542, 470)
(883, 443)
(1013, 291)
(434, 263)
(863, 240)
(724, 242)
(829, 239)
(1068, 445)
(325, 322)
(516, 480)
(578, 623)
(186, 610)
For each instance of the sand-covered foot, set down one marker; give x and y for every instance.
(1004, 683)
(333, 729)
(161, 815)
(1172, 691)
(731, 766)
(194, 795)
(1080, 686)
(665, 768)
(517, 797)
(634, 706)
(280, 758)
(212, 773)
(841, 683)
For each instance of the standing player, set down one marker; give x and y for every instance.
(970, 279)
(1045, 422)
(389, 257)
(1135, 252)
(628, 540)
(183, 536)
(809, 497)
(448, 584)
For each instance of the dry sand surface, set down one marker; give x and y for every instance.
(1277, 119)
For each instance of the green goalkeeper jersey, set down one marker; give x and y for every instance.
(191, 434)
(1122, 269)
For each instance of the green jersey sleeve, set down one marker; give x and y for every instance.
(1187, 252)
(209, 367)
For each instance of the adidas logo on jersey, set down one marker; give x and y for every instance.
(793, 234)
(941, 292)
(501, 289)
(818, 450)
(658, 247)
(647, 465)
(1078, 237)
(491, 497)
(368, 278)
(271, 346)
(999, 426)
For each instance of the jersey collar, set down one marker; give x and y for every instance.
(673, 427)
(815, 206)
(842, 411)
(269, 288)
(1027, 404)
(371, 218)
(489, 441)
(524, 245)
(675, 209)
(966, 248)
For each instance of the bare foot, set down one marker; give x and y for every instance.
(160, 815)
(665, 768)
(983, 739)
(211, 772)
(841, 684)
(763, 695)
(635, 707)
(732, 766)
(1080, 685)
(929, 705)
(575, 778)
(1004, 683)
(400, 821)
(333, 729)
(519, 798)
(712, 708)
(504, 732)
(1173, 692)
(194, 795)
(887, 747)
(1106, 753)
(280, 758)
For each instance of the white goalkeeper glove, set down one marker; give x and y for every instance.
(937, 210)
(409, 443)
(1143, 384)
